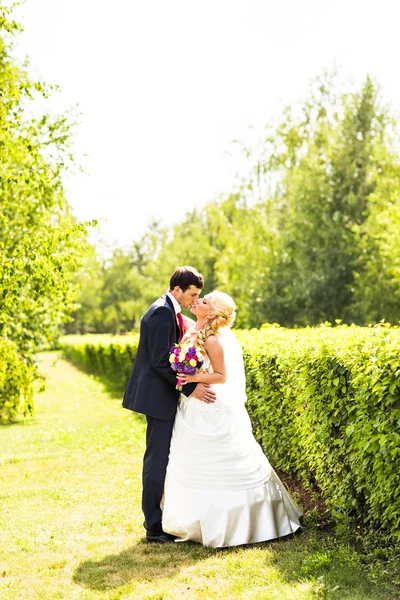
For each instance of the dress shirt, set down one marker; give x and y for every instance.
(175, 303)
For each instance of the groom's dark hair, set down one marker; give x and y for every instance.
(184, 277)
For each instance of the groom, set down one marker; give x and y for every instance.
(151, 388)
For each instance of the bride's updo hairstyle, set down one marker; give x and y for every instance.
(224, 309)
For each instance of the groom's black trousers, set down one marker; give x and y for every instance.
(158, 440)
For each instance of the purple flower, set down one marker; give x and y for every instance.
(199, 363)
(186, 369)
(191, 370)
(192, 351)
(172, 350)
(178, 367)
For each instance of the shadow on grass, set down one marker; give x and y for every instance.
(151, 562)
(142, 562)
(116, 392)
(113, 389)
(17, 421)
(335, 570)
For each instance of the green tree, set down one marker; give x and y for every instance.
(192, 241)
(115, 291)
(310, 233)
(377, 276)
(330, 165)
(87, 316)
(41, 243)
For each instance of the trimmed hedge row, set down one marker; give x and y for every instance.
(16, 379)
(324, 403)
(106, 355)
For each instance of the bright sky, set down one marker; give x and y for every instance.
(166, 85)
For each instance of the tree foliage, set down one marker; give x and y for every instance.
(310, 234)
(40, 241)
(335, 162)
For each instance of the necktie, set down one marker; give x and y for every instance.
(181, 324)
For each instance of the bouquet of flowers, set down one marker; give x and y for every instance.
(185, 358)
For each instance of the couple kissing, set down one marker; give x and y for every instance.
(205, 478)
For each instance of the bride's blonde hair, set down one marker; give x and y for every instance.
(224, 309)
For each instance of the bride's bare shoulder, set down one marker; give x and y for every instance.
(213, 342)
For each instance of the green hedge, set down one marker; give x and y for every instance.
(324, 403)
(106, 355)
(16, 379)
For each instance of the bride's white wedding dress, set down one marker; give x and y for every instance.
(220, 489)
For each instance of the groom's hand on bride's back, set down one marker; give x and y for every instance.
(204, 393)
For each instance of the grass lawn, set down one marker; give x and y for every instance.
(71, 523)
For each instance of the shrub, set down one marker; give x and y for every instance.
(16, 378)
(41, 243)
(325, 404)
(106, 355)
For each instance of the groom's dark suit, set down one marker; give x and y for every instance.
(151, 391)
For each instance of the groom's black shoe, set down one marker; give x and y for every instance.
(161, 538)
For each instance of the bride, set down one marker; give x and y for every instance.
(220, 489)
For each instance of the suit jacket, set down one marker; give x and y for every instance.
(151, 387)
